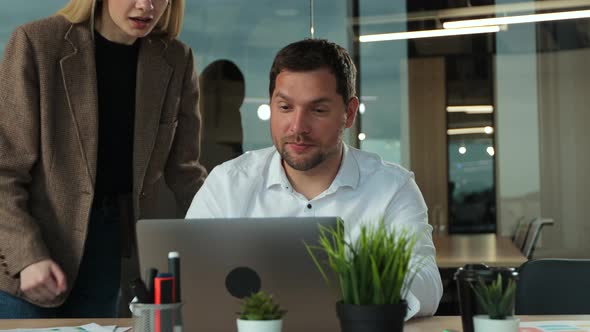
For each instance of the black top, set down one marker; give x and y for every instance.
(116, 69)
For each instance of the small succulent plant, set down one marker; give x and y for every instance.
(260, 306)
(497, 301)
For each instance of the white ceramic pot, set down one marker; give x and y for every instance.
(483, 323)
(259, 325)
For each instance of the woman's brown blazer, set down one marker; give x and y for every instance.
(49, 133)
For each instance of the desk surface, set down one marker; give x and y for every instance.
(453, 251)
(439, 323)
(429, 324)
(6, 324)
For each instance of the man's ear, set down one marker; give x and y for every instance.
(351, 111)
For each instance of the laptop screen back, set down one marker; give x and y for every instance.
(223, 259)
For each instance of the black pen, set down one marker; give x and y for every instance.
(139, 290)
(151, 273)
(174, 268)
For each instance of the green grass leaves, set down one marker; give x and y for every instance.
(372, 269)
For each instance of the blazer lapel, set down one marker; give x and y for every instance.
(79, 76)
(153, 77)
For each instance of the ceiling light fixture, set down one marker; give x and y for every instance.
(362, 108)
(555, 16)
(491, 151)
(427, 34)
(473, 130)
(264, 112)
(471, 109)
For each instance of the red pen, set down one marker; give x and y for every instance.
(164, 293)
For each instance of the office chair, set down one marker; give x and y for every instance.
(553, 287)
(522, 233)
(517, 228)
(534, 232)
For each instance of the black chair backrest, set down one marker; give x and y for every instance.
(553, 287)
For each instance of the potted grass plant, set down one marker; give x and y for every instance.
(259, 313)
(497, 300)
(373, 275)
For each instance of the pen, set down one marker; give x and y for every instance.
(151, 274)
(164, 293)
(174, 268)
(164, 288)
(139, 290)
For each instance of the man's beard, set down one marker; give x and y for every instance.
(303, 165)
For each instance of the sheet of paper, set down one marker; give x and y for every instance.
(84, 328)
(114, 328)
(555, 326)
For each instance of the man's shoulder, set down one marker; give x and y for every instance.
(249, 164)
(372, 165)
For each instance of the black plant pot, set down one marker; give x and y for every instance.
(371, 318)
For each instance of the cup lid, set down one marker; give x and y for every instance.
(473, 272)
(470, 272)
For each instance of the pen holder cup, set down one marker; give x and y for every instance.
(157, 317)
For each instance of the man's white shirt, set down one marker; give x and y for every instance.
(365, 190)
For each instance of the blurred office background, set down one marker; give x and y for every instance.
(494, 124)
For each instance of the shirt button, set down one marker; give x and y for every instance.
(309, 206)
(142, 195)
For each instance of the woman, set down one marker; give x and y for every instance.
(96, 103)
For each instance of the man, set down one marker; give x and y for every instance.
(311, 172)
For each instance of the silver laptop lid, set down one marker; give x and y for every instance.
(222, 259)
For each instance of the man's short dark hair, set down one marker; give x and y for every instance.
(313, 54)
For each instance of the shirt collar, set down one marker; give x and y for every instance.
(348, 174)
(276, 173)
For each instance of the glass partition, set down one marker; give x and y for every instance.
(522, 80)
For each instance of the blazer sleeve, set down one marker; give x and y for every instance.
(183, 173)
(21, 242)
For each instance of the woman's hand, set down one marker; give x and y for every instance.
(43, 281)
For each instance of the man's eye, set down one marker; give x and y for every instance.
(319, 110)
(284, 107)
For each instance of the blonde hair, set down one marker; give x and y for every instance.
(170, 24)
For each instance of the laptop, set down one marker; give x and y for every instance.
(223, 260)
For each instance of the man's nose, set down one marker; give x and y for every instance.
(300, 122)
